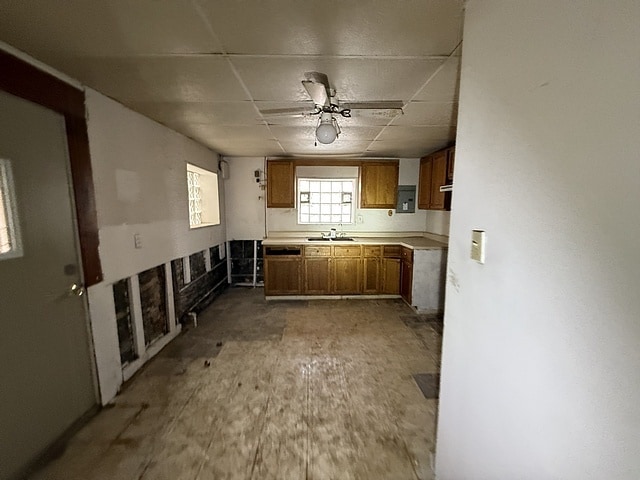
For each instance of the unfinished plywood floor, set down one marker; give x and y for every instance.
(296, 390)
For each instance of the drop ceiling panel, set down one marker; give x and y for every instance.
(355, 80)
(205, 67)
(159, 79)
(339, 147)
(428, 114)
(70, 28)
(443, 87)
(176, 114)
(230, 133)
(404, 149)
(256, 148)
(336, 27)
(418, 135)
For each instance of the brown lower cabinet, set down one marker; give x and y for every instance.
(390, 284)
(317, 269)
(346, 276)
(406, 274)
(337, 270)
(371, 269)
(282, 270)
(347, 269)
(391, 259)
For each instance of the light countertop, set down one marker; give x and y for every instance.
(415, 243)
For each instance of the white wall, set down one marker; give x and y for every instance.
(438, 222)
(540, 370)
(139, 171)
(374, 220)
(245, 200)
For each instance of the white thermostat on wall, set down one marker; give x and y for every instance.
(478, 243)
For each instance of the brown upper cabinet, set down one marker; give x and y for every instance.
(436, 170)
(280, 184)
(379, 184)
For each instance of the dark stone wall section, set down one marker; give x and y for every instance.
(241, 261)
(153, 296)
(177, 267)
(205, 287)
(123, 320)
(197, 264)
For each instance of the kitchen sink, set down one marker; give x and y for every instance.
(323, 239)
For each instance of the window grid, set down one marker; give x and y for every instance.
(9, 240)
(322, 201)
(195, 198)
(5, 239)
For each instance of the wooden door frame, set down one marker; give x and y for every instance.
(26, 81)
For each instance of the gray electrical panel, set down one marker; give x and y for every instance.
(406, 199)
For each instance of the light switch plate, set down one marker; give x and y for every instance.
(478, 243)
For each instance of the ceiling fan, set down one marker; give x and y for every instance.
(327, 107)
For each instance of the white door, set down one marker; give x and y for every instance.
(46, 374)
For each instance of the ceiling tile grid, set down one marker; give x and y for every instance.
(207, 68)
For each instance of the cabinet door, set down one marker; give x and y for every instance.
(406, 281)
(379, 185)
(281, 276)
(346, 275)
(450, 164)
(424, 187)
(317, 277)
(371, 275)
(280, 188)
(438, 178)
(390, 276)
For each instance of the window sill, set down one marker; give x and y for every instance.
(203, 225)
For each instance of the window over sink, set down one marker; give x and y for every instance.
(326, 200)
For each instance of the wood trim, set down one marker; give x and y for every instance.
(322, 162)
(85, 200)
(327, 163)
(26, 81)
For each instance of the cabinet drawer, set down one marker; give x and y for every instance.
(282, 250)
(347, 251)
(392, 251)
(372, 250)
(314, 251)
(407, 254)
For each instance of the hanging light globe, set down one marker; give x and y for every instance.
(326, 132)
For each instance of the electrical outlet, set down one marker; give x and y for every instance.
(137, 240)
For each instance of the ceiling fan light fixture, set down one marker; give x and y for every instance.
(326, 132)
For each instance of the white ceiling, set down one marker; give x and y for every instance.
(206, 67)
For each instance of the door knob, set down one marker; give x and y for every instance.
(76, 290)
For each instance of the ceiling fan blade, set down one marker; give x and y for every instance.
(379, 105)
(317, 92)
(283, 112)
(318, 77)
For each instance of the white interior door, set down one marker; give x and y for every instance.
(46, 379)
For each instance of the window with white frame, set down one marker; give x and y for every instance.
(326, 200)
(204, 202)
(10, 245)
